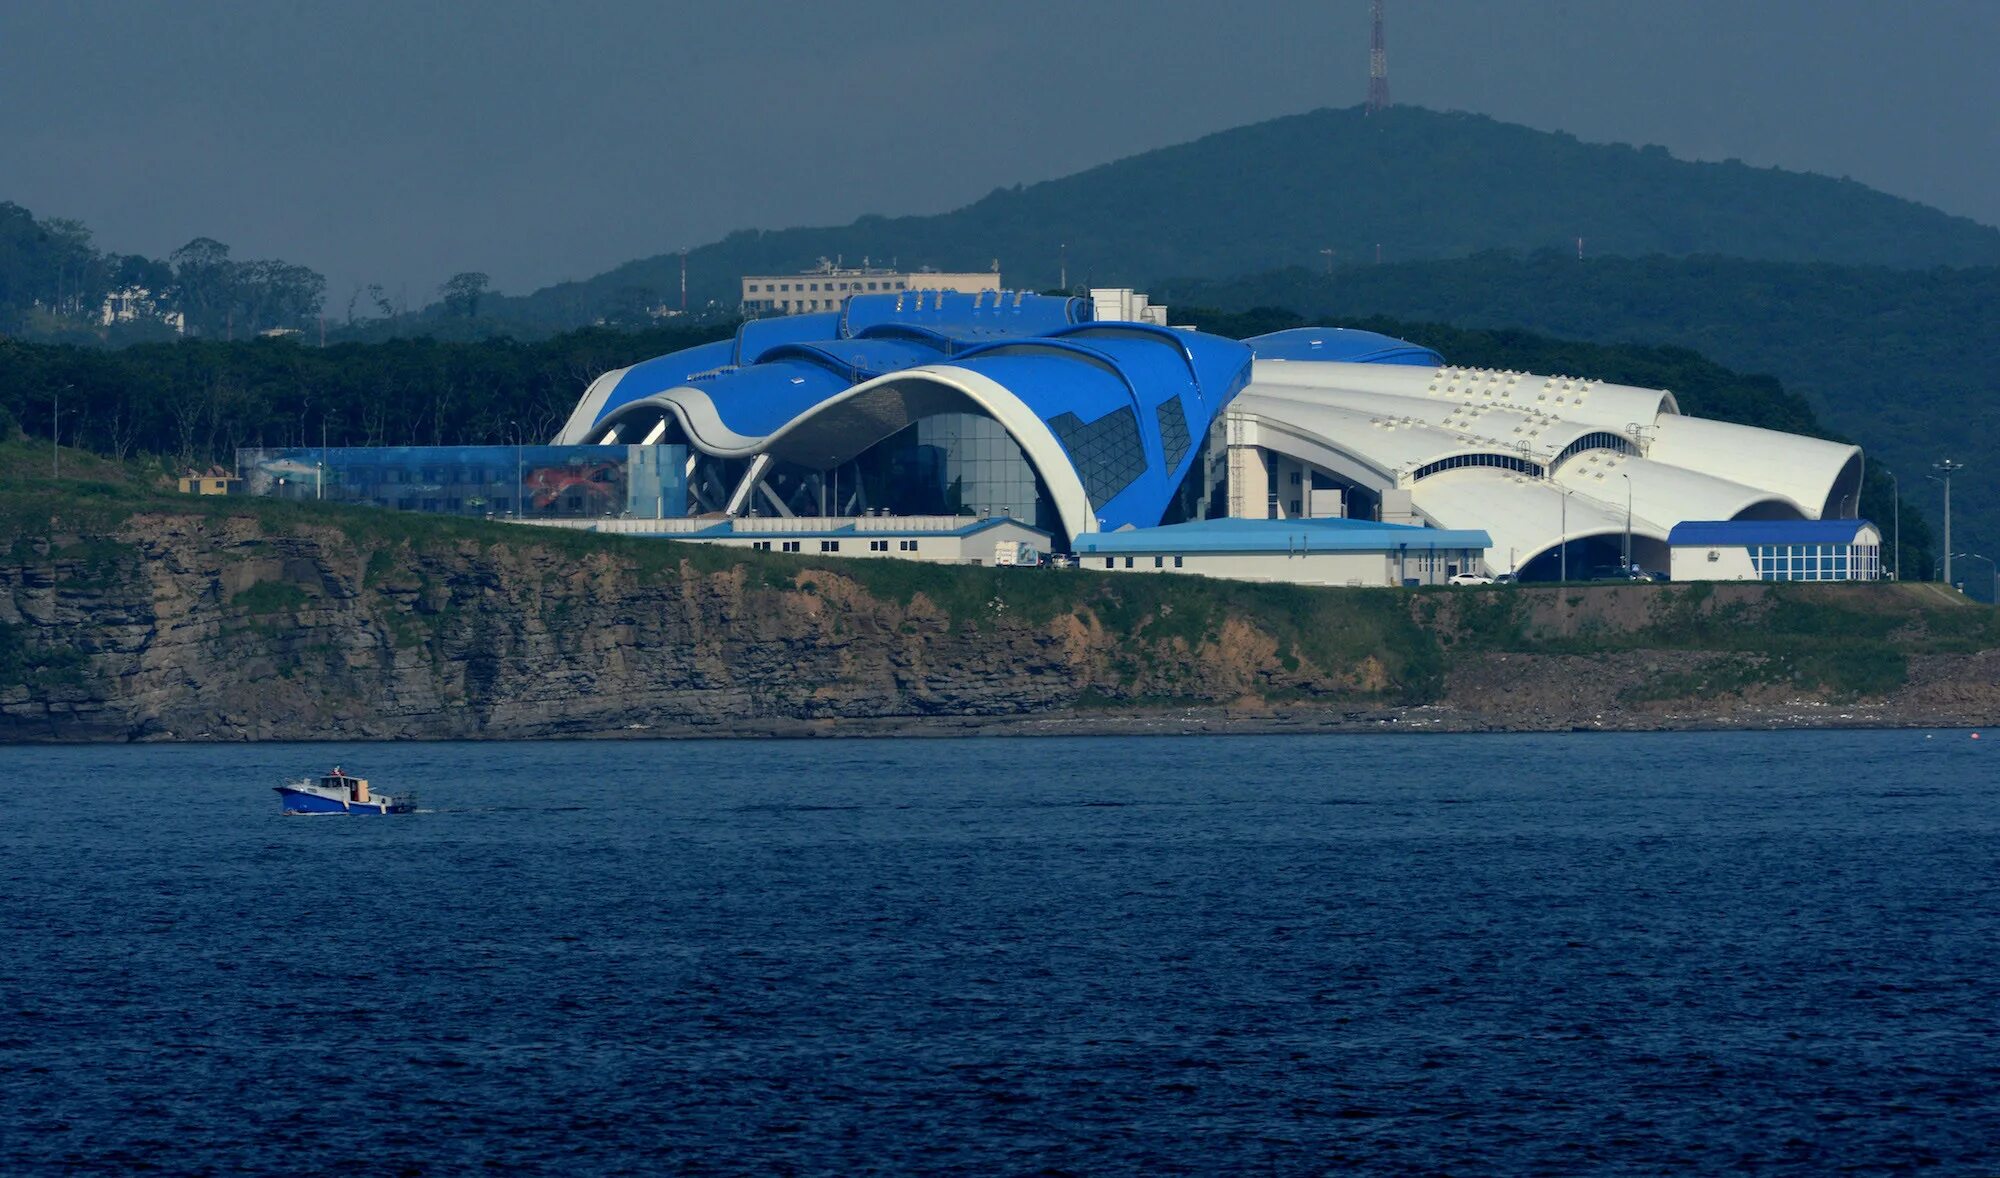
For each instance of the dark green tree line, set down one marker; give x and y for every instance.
(194, 402)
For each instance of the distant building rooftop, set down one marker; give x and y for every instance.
(827, 285)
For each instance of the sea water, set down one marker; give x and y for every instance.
(1501, 954)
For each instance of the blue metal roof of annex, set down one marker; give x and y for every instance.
(1736, 533)
(1121, 406)
(1283, 535)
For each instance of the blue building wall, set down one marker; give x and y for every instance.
(544, 482)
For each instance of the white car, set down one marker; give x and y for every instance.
(1471, 579)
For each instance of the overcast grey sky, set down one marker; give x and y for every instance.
(399, 141)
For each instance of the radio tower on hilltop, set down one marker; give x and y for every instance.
(1378, 67)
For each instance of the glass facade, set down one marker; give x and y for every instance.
(550, 482)
(1173, 430)
(1107, 453)
(1816, 562)
(954, 464)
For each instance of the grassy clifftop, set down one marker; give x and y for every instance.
(128, 611)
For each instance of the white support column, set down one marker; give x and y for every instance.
(740, 497)
(776, 502)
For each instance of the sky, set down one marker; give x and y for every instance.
(401, 141)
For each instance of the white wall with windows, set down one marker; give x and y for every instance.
(1356, 570)
(1712, 558)
(934, 539)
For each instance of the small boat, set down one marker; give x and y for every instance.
(340, 793)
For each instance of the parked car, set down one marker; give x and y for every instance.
(1471, 579)
(1613, 572)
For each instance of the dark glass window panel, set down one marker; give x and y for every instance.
(1107, 453)
(1173, 431)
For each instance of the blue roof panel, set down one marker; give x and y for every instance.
(755, 401)
(859, 359)
(1738, 532)
(668, 372)
(758, 336)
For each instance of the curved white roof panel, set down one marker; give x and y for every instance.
(1810, 472)
(1370, 427)
(1591, 402)
(1525, 516)
(1666, 492)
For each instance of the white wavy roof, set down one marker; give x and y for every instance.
(1525, 516)
(1393, 420)
(1587, 402)
(1804, 470)
(1420, 431)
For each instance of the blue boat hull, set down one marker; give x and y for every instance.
(303, 802)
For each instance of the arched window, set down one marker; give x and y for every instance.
(1599, 440)
(1458, 461)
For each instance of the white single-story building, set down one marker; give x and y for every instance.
(1347, 552)
(943, 539)
(1775, 550)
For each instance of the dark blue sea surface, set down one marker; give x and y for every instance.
(1776, 953)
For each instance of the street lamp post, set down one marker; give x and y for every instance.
(1896, 490)
(55, 434)
(1563, 551)
(520, 472)
(1990, 563)
(1628, 521)
(1947, 466)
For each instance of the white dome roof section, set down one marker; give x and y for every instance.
(1525, 516)
(1670, 493)
(1525, 434)
(1373, 450)
(1823, 478)
(1589, 402)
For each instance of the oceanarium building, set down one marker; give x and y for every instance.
(1078, 416)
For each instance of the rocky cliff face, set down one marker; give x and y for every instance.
(194, 627)
(217, 626)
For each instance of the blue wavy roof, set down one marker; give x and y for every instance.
(1129, 402)
(670, 371)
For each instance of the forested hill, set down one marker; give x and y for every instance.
(1420, 184)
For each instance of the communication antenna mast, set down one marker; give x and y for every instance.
(1378, 67)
